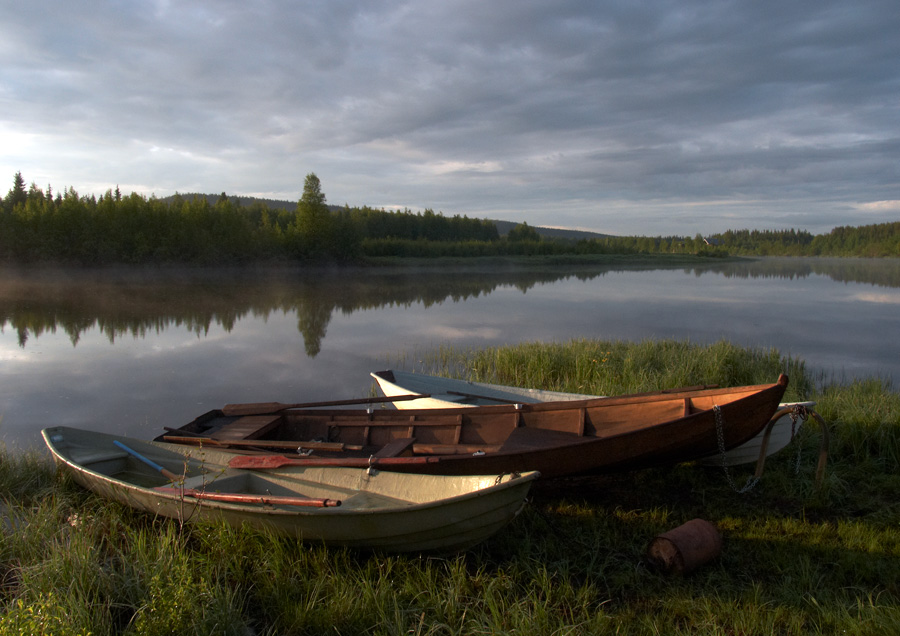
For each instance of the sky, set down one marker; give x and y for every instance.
(626, 117)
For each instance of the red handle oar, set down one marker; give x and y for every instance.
(267, 408)
(263, 462)
(274, 500)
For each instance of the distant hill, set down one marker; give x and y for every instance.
(503, 227)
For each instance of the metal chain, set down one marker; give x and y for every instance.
(720, 436)
(800, 413)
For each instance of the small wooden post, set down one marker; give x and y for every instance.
(685, 548)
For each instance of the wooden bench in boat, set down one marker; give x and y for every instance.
(90, 457)
(396, 448)
(247, 427)
(405, 425)
(528, 438)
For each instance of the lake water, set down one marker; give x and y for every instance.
(132, 352)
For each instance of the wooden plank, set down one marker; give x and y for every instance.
(454, 449)
(396, 447)
(249, 427)
(527, 438)
(398, 422)
(568, 420)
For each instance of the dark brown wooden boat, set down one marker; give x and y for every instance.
(601, 435)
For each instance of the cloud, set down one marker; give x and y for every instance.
(880, 206)
(881, 299)
(576, 111)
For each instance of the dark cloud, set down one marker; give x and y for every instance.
(683, 116)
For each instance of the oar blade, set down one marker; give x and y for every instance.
(262, 462)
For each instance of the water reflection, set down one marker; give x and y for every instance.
(131, 352)
(131, 303)
(880, 272)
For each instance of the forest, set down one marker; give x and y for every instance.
(38, 226)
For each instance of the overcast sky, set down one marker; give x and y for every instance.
(626, 117)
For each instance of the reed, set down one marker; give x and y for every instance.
(599, 367)
(797, 559)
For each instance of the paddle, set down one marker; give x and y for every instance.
(274, 500)
(263, 462)
(168, 474)
(267, 408)
(197, 440)
(484, 397)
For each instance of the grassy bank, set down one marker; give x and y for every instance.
(797, 559)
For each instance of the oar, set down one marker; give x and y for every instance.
(196, 439)
(267, 408)
(263, 462)
(168, 474)
(274, 500)
(484, 397)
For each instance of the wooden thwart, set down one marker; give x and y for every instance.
(527, 438)
(397, 447)
(249, 427)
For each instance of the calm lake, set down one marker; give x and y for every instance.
(135, 351)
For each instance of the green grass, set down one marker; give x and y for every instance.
(612, 367)
(797, 558)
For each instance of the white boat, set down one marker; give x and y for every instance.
(359, 508)
(439, 392)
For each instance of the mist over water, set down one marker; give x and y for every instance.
(135, 351)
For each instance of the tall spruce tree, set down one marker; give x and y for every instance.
(17, 194)
(314, 221)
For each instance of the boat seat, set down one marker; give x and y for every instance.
(528, 438)
(97, 456)
(396, 447)
(248, 427)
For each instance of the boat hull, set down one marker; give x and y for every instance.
(379, 510)
(600, 435)
(454, 393)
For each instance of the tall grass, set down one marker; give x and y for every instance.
(797, 558)
(599, 367)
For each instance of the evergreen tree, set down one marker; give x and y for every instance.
(314, 222)
(17, 194)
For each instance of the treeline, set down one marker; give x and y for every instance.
(39, 226)
(878, 240)
(64, 227)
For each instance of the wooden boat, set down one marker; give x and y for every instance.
(366, 509)
(597, 435)
(450, 393)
